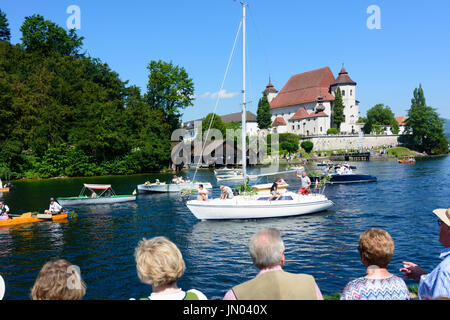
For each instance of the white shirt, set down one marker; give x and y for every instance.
(54, 207)
(177, 295)
(4, 207)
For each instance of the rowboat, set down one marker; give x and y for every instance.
(411, 160)
(4, 189)
(29, 218)
(106, 196)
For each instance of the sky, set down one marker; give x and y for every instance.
(411, 45)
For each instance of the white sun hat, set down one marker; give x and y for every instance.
(444, 215)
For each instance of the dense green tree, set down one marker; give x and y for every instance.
(338, 109)
(380, 115)
(169, 89)
(308, 146)
(425, 126)
(67, 114)
(47, 38)
(5, 32)
(215, 122)
(263, 115)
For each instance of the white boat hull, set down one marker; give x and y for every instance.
(242, 207)
(163, 187)
(87, 201)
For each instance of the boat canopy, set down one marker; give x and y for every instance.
(103, 187)
(97, 186)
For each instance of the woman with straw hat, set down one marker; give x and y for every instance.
(437, 283)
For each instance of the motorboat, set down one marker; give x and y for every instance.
(171, 187)
(89, 196)
(336, 178)
(257, 203)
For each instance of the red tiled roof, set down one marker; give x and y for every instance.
(304, 88)
(303, 114)
(400, 120)
(279, 121)
(344, 78)
(270, 88)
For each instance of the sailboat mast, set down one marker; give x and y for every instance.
(244, 130)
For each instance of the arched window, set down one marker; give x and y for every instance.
(351, 92)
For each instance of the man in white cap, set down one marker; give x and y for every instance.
(437, 283)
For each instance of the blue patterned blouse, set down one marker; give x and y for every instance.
(391, 288)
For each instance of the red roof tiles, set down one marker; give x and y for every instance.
(303, 114)
(344, 78)
(279, 121)
(304, 88)
(270, 89)
(400, 120)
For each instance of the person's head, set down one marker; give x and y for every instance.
(267, 249)
(222, 188)
(304, 173)
(159, 262)
(376, 248)
(52, 200)
(444, 226)
(1, 203)
(200, 186)
(59, 280)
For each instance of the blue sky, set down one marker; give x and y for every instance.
(285, 37)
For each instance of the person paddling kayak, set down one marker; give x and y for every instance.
(4, 210)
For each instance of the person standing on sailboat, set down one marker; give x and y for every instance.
(305, 182)
(202, 193)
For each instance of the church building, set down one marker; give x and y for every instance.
(305, 104)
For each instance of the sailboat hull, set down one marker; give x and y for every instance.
(245, 208)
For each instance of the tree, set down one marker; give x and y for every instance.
(425, 126)
(307, 145)
(332, 131)
(263, 115)
(170, 89)
(46, 38)
(380, 115)
(216, 123)
(5, 32)
(338, 109)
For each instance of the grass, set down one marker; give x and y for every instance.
(400, 151)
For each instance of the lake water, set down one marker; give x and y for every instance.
(101, 241)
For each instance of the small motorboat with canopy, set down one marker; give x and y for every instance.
(88, 195)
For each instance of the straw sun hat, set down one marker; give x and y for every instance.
(444, 215)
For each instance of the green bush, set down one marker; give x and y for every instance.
(332, 131)
(307, 145)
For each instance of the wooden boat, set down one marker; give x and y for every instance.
(410, 160)
(106, 196)
(29, 218)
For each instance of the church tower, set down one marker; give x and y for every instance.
(351, 108)
(270, 92)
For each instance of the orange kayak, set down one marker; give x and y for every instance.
(28, 218)
(4, 189)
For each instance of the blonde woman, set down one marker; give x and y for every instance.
(376, 249)
(160, 264)
(59, 280)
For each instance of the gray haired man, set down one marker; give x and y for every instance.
(272, 282)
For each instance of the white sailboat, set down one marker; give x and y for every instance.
(171, 187)
(258, 205)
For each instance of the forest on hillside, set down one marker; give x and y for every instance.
(64, 113)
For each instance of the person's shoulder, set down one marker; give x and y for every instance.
(200, 295)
